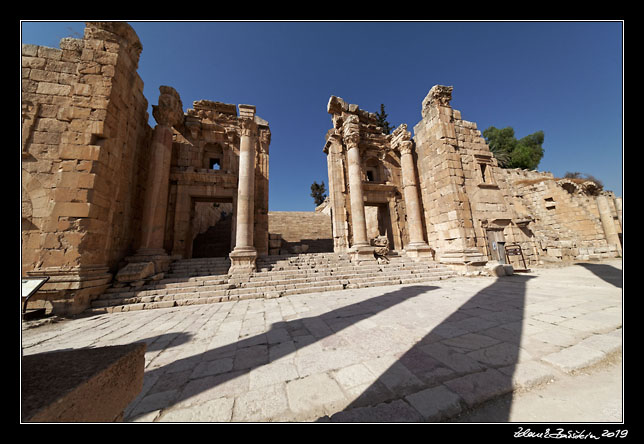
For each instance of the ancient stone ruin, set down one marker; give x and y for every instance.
(442, 195)
(119, 215)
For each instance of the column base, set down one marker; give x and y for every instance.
(361, 254)
(242, 261)
(419, 250)
(69, 291)
(465, 260)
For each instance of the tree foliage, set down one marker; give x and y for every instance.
(524, 153)
(318, 192)
(382, 120)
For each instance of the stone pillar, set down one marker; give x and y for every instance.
(449, 221)
(360, 249)
(337, 190)
(608, 223)
(618, 208)
(168, 113)
(417, 246)
(156, 193)
(244, 255)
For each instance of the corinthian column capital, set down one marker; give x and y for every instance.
(248, 127)
(406, 147)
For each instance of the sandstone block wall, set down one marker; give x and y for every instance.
(292, 228)
(84, 141)
(564, 218)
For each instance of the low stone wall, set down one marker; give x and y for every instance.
(299, 232)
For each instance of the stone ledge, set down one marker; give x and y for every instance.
(84, 385)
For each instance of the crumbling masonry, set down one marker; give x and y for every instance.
(442, 195)
(108, 200)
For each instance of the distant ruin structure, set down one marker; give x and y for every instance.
(110, 201)
(441, 194)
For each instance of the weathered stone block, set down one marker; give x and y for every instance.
(85, 385)
(135, 271)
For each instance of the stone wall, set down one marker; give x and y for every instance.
(289, 230)
(562, 217)
(443, 178)
(84, 149)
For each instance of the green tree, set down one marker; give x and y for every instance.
(382, 120)
(509, 152)
(318, 192)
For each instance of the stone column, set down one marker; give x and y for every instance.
(618, 208)
(417, 246)
(337, 190)
(244, 255)
(156, 193)
(608, 223)
(151, 258)
(361, 250)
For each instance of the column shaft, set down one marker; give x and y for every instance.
(245, 193)
(156, 193)
(412, 203)
(358, 221)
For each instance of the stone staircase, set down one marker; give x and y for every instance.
(204, 281)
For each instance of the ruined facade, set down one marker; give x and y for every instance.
(105, 197)
(109, 200)
(442, 194)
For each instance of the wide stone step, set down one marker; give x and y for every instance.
(276, 276)
(273, 279)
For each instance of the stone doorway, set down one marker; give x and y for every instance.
(212, 228)
(379, 222)
(496, 245)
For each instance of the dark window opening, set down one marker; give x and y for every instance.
(214, 164)
(483, 168)
(370, 175)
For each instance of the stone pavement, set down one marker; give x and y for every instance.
(422, 352)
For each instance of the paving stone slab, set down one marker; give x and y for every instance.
(394, 411)
(436, 403)
(314, 396)
(266, 404)
(574, 358)
(214, 410)
(480, 387)
(526, 375)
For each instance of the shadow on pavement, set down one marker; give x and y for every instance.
(472, 355)
(189, 377)
(608, 273)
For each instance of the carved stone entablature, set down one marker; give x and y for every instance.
(439, 95)
(169, 111)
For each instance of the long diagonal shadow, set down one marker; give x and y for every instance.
(467, 359)
(606, 272)
(237, 358)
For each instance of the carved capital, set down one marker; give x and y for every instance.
(351, 131)
(406, 147)
(169, 111)
(248, 127)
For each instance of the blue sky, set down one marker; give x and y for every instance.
(565, 78)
